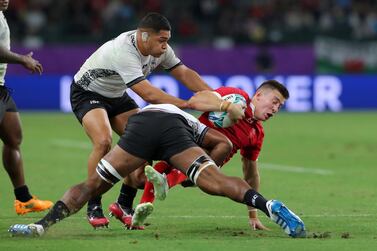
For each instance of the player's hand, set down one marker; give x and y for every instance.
(31, 64)
(255, 224)
(236, 112)
(205, 101)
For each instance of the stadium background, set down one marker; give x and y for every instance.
(320, 160)
(324, 51)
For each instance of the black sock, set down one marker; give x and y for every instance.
(127, 196)
(57, 213)
(94, 202)
(254, 199)
(22, 193)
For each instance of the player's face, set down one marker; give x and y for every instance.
(158, 43)
(4, 4)
(267, 102)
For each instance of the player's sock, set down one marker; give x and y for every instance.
(162, 167)
(127, 196)
(148, 194)
(94, 202)
(57, 213)
(255, 199)
(22, 193)
(175, 177)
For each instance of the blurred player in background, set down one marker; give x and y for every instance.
(170, 135)
(10, 125)
(100, 101)
(247, 136)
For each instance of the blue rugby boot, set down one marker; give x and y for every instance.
(286, 219)
(31, 230)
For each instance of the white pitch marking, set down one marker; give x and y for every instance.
(244, 217)
(68, 143)
(296, 169)
(236, 217)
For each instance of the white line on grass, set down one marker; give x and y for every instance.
(69, 143)
(235, 216)
(295, 169)
(244, 216)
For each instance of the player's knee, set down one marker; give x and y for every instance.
(107, 172)
(13, 140)
(137, 178)
(140, 181)
(198, 166)
(103, 144)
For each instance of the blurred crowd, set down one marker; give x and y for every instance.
(35, 22)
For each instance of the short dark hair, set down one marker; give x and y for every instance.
(275, 85)
(155, 21)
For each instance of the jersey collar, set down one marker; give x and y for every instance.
(252, 106)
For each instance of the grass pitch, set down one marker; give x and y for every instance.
(323, 166)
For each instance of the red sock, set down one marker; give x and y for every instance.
(148, 194)
(175, 177)
(162, 167)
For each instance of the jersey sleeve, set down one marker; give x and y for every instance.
(251, 153)
(170, 60)
(128, 65)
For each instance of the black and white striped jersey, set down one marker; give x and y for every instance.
(118, 64)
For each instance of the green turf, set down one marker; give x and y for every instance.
(338, 205)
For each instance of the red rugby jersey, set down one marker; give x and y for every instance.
(247, 135)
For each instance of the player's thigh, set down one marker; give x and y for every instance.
(10, 129)
(186, 158)
(213, 137)
(119, 122)
(202, 171)
(97, 125)
(123, 162)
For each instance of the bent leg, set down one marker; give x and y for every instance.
(115, 165)
(97, 126)
(210, 179)
(133, 181)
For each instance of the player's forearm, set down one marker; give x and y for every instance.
(6, 56)
(157, 96)
(193, 81)
(252, 177)
(205, 101)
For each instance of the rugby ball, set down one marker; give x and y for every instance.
(221, 119)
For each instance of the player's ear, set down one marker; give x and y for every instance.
(144, 36)
(258, 94)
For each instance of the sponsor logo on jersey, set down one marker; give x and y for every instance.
(94, 102)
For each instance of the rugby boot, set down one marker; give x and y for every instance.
(32, 205)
